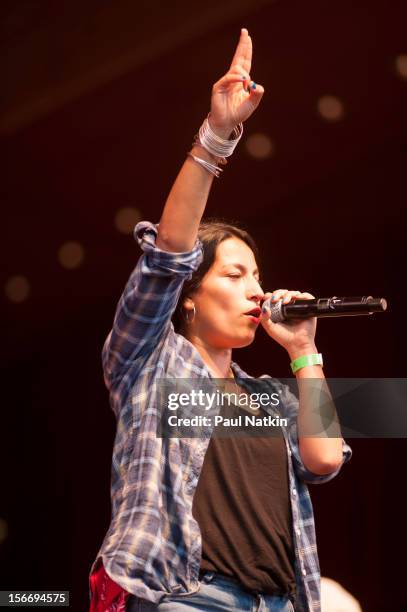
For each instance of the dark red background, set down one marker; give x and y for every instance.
(328, 211)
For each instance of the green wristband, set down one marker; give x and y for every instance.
(306, 360)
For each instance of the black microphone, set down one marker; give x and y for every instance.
(326, 307)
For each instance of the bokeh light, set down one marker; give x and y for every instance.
(17, 289)
(401, 65)
(71, 255)
(330, 108)
(126, 218)
(259, 146)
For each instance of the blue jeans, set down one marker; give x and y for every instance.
(217, 594)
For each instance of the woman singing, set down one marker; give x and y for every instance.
(208, 523)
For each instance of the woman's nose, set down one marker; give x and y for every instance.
(256, 292)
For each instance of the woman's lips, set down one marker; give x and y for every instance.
(254, 319)
(254, 316)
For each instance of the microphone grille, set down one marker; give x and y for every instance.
(276, 312)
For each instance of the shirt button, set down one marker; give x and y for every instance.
(294, 492)
(304, 572)
(298, 531)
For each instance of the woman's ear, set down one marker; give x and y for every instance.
(188, 304)
(188, 311)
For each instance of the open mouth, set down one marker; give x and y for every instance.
(254, 315)
(255, 312)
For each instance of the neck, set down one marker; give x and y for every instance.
(216, 359)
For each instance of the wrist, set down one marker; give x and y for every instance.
(298, 351)
(221, 131)
(301, 365)
(204, 154)
(221, 143)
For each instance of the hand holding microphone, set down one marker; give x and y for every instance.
(324, 307)
(290, 317)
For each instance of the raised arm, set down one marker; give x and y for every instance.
(171, 254)
(234, 98)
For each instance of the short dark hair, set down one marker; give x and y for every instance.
(211, 233)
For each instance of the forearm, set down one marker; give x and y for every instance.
(321, 449)
(185, 205)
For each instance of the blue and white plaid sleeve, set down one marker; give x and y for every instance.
(289, 409)
(144, 311)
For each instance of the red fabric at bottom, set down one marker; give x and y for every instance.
(106, 595)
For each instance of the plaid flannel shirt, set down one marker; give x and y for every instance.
(153, 545)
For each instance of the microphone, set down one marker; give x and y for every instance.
(326, 307)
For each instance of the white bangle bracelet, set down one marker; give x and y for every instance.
(207, 165)
(214, 144)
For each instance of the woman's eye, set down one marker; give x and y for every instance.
(234, 275)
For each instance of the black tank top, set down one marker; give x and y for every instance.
(243, 509)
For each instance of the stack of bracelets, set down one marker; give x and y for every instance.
(216, 146)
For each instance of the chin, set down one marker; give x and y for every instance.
(232, 341)
(246, 341)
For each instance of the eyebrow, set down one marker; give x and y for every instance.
(241, 267)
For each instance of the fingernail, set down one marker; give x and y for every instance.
(253, 85)
(265, 307)
(273, 297)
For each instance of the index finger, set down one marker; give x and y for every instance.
(243, 53)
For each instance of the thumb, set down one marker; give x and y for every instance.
(251, 102)
(256, 94)
(266, 314)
